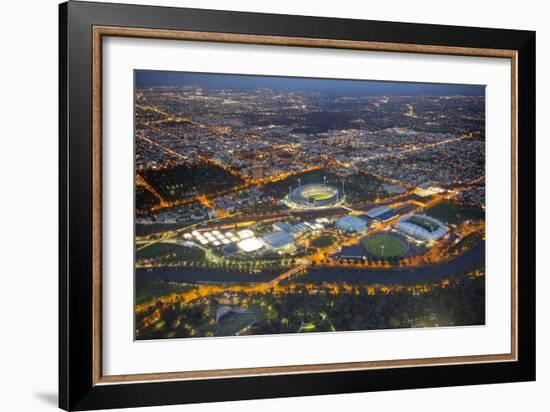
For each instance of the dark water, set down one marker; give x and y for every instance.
(471, 259)
(193, 275)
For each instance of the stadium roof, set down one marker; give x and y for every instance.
(427, 224)
(377, 211)
(351, 223)
(394, 188)
(278, 239)
(386, 215)
(422, 227)
(406, 208)
(285, 227)
(250, 244)
(352, 252)
(230, 249)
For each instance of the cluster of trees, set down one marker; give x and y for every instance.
(170, 253)
(149, 287)
(459, 302)
(176, 321)
(466, 243)
(145, 200)
(362, 187)
(377, 261)
(263, 208)
(454, 213)
(268, 263)
(181, 181)
(322, 241)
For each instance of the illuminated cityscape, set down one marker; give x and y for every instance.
(269, 205)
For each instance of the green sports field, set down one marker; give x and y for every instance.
(322, 196)
(391, 245)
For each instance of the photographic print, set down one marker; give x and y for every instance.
(288, 185)
(285, 205)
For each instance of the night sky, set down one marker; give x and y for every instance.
(325, 86)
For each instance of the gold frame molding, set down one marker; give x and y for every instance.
(103, 31)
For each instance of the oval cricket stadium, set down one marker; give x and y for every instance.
(314, 195)
(385, 245)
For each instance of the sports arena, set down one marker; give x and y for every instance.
(422, 227)
(314, 195)
(385, 244)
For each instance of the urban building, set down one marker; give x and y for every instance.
(422, 227)
(278, 240)
(352, 224)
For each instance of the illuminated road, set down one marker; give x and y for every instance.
(437, 262)
(408, 276)
(415, 271)
(142, 182)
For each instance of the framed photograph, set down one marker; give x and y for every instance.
(257, 205)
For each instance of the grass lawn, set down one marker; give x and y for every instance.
(391, 246)
(322, 241)
(322, 196)
(170, 249)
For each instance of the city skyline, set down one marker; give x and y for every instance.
(148, 78)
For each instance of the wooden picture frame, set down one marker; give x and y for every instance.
(82, 384)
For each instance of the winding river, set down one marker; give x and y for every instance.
(469, 260)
